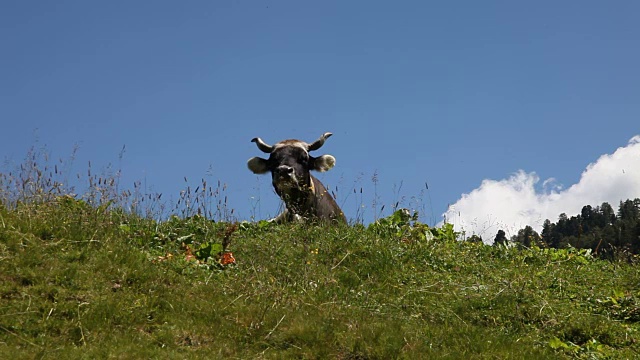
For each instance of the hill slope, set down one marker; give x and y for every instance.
(86, 282)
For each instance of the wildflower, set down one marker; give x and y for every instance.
(227, 258)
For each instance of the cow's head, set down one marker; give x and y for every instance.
(290, 162)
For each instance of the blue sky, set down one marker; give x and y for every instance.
(450, 93)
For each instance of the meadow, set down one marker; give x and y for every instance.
(93, 275)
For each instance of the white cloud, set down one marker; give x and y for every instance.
(511, 204)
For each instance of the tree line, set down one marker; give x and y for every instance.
(606, 232)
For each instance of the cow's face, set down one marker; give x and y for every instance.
(290, 163)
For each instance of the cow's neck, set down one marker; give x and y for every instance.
(301, 201)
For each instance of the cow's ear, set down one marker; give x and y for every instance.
(323, 163)
(258, 165)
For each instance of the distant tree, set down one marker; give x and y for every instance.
(572, 241)
(601, 229)
(574, 227)
(608, 215)
(561, 225)
(626, 225)
(550, 236)
(635, 242)
(527, 237)
(587, 219)
(629, 210)
(501, 238)
(606, 237)
(475, 239)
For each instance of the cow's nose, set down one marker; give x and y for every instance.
(285, 170)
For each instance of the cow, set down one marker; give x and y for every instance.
(304, 196)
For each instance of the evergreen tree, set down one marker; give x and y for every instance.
(587, 219)
(629, 210)
(547, 234)
(606, 232)
(608, 214)
(628, 218)
(501, 238)
(635, 241)
(527, 237)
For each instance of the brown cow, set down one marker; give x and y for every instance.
(290, 164)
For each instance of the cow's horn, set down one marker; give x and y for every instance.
(318, 143)
(262, 145)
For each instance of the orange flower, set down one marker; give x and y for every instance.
(227, 258)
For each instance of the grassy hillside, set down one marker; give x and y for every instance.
(82, 278)
(81, 281)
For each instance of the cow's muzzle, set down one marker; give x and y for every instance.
(284, 177)
(284, 171)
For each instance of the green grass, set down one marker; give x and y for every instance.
(78, 281)
(91, 276)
